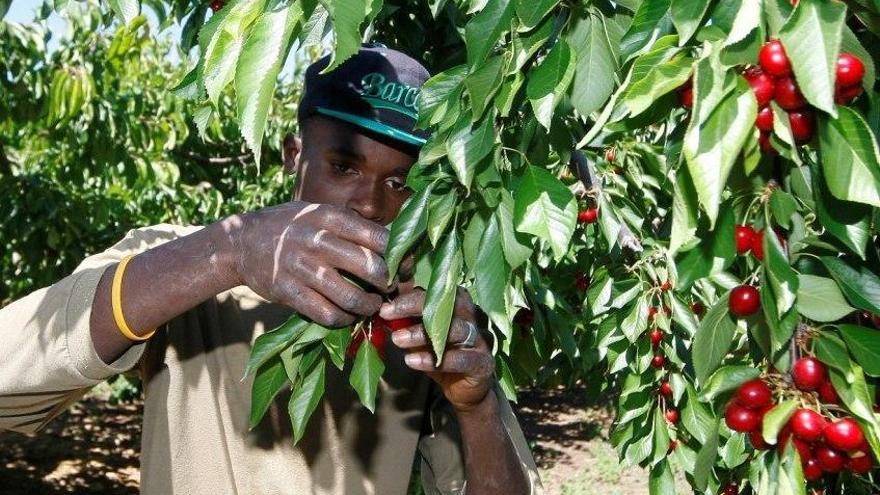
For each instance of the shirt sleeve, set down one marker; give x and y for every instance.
(442, 460)
(49, 360)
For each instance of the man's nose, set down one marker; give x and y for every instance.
(367, 202)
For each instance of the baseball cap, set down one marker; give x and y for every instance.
(377, 89)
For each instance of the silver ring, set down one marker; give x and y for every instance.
(471, 340)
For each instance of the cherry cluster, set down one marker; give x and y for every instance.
(772, 79)
(825, 445)
(377, 330)
(748, 239)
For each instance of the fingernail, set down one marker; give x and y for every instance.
(412, 359)
(385, 309)
(397, 338)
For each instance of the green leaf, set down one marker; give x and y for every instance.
(706, 459)
(269, 380)
(819, 299)
(811, 38)
(696, 418)
(661, 481)
(831, 350)
(595, 62)
(366, 373)
(864, 344)
(515, 245)
(847, 221)
(336, 342)
(783, 280)
(440, 212)
(776, 418)
(545, 208)
(860, 286)
(125, 9)
(687, 16)
(661, 80)
(262, 56)
(713, 339)
(685, 211)
(483, 83)
(437, 91)
(485, 29)
(791, 475)
(467, 146)
(347, 18)
(306, 396)
(713, 140)
(222, 39)
(491, 279)
(850, 159)
(440, 298)
(532, 12)
(727, 378)
(549, 81)
(636, 321)
(783, 205)
(854, 394)
(714, 255)
(269, 344)
(408, 227)
(652, 20)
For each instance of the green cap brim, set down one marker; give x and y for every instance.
(372, 125)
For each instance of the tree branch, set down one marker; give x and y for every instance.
(210, 160)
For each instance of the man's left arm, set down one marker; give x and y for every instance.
(467, 380)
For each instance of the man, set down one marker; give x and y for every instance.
(210, 291)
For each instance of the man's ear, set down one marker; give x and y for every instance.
(290, 150)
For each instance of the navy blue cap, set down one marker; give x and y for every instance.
(377, 89)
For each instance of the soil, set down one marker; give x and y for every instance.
(93, 449)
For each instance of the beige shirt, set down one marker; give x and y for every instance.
(195, 436)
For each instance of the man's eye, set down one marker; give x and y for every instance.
(397, 185)
(341, 168)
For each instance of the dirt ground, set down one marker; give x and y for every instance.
(94, 449)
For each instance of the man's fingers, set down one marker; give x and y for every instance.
(415, 336)
(313, 306)
(465, 361)
(357, 260)
(352, 227)
(352, 299)
(404, 306)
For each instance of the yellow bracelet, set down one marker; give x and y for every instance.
(116, 301)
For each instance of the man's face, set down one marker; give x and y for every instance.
(338, 165)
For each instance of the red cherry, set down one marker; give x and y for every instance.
(610, 154)
(744, 236)
(658, 361)
(803, 448)
(741, 419)
(764, 142)
(850, 70)
(762, 85)
(656, 337)
(827, 394)
(355, 345)
(844, 434)
(217, 5)
(860, 465)
(812, 469)
(757, 440)
(801, 125)
(652, 313)
(671, 416)
(686, 97)
(758, 245)
(666, 389)
(808, 373)
(673, 444)
(666, 286)
(731, 489)
(581, 281)
(788, 95)
(754, 394)
(875, 320)
(807, 424)
(588, 216)
(844, 96)
(773, 59)
(698, 308)
(831, 461)
(764, 121)
(744, 301)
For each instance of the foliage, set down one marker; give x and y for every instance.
(537, 107)
(94, 145)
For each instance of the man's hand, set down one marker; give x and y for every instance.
(295, 254)
(466, 374)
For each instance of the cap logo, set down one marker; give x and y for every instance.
(390, 95)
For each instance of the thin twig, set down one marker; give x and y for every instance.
(210, 160)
